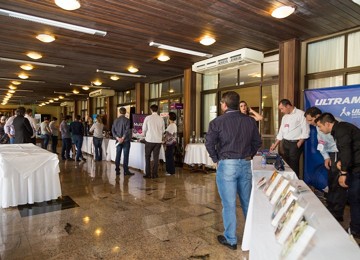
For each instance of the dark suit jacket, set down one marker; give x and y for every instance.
(23, 130)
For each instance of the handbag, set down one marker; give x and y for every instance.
(170, 139)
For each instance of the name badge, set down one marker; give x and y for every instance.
(320, 147)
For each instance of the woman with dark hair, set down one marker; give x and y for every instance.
(245, 109)
(170, 142)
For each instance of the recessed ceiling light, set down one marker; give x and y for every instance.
(76, 91)
(34, 55)
(51, 101)
(85, 88)
(114, 77)
(15, 82)
(69, 5)
(11, 91)
(47, 102)
(56, 99)
(282, 12)
(132, 69)
(97, 83)
(45, 38)
(23, 76)
(27, 66)
(12, 87)
(163, 57)
(61, 97)
(207, 40)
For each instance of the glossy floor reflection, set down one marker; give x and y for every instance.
(172, 217)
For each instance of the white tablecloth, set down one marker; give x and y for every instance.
(28, 174)
(88, 147)
(197, 154)
(329, 242)
(136, 156)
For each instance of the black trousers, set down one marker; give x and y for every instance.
(291, 154)
(337, 195)
(153, 148)
(169, 157)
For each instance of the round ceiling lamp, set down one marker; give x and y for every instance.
(15, 82)
(163, 57)
(45, 38)
(207, 40)
(69, 5)
(85, 88)
(97, 82)
(27, 66)
(34, 55)
(76, 91)
(11, 91)
(132, 69)
(114, 77)
(282, 12)
(23, 76)
(12, 87)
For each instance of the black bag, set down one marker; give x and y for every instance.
(279, 164)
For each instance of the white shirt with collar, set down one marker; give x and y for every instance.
(153, 128)
(293, 126)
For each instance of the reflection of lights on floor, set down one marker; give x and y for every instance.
(98, 232)
(115, 249)
(86, 220)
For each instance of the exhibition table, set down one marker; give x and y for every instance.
(136, 156)
(28, 174)
(329, 242)
(196, 153)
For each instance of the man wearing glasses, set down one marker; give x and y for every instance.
(231, 141)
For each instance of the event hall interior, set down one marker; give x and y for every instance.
(93, 57)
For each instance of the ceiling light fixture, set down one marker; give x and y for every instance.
(45, 38)
(76, 91)
(69, 5)
(12, 87)
(207, 40)
(97, 83)
(85, 87)
(92, 86)
(56, 99)
(121, 74)
(132, 69)
(61, 97)
(32, 62)
(163, 57)
(19, 90)
(51, 101)
(27, 66)
(62, 25)
(15, 82)
(282, 11)
(34, 55)
(11, 91)
(23, 76)
(114, 77)
(176, 49)
(23, 80)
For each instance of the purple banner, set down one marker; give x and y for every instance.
(138, 120)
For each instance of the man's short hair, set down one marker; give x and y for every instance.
(231, 99)
(54, 118)
(325, 118)
(172, 116)
(20, 111)
(122, 110)
(154, 107)
(312, 111)
(78, 117)
(28, 111)
(285, 102)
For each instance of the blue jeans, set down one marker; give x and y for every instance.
(78, 140)
(98, 148)
(353, 180)
(233, 177)
(119, 148)
(46, 141)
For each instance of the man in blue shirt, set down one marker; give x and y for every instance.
(231, 141)
(337, 195)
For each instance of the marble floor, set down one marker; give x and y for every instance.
(172, 217)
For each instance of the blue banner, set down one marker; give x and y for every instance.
(344, 104)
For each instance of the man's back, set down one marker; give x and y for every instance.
(153, 128)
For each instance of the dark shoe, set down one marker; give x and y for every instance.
(222, 240)
(129, 173)
(147, 176)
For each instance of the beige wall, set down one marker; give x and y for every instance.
(52, 110)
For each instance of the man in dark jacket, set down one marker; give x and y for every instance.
(22, 127)
(347, 138)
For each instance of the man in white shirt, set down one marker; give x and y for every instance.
(153, 128)
(32, 121)
(292, 134)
